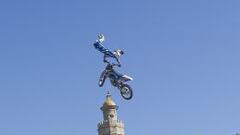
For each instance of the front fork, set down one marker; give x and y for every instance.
(102, 78)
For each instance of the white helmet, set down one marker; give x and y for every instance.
(118, 52)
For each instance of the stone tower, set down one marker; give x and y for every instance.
(110, 125)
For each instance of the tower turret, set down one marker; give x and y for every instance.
(110, 125)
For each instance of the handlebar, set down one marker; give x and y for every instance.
(112, 64)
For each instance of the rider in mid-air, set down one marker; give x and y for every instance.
(117, 80)
(107, 53)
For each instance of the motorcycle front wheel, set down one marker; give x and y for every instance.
(102, 79)
(126, 92)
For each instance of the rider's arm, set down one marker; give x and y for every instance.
(118, 61)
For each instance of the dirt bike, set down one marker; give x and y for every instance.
(117, 80)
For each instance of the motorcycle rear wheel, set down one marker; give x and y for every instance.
(126, 92)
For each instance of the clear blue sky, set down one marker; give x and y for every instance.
(183, 55)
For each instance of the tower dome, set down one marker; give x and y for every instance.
(109, 103)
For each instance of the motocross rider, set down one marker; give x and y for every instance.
(107, 53)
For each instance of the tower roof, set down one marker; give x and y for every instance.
(109, 103)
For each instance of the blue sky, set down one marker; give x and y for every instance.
(183, 56)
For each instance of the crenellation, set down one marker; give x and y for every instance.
(119, 123)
